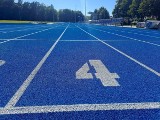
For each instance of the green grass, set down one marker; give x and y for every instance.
(14, 21)
(21, 22)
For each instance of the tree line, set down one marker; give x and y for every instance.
(35, 11)
(101, 13)
(137, 9)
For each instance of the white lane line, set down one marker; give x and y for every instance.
(79, 41)
(23, 39)
(127, 37)
(12, 28)
(70, 40)
(95, 40)
(134, 33)
(35, 32)
(4, 41)
(144, 30)
(22, 30)
(19, 39)
(80, 107)
(26, 28)
(12, 102)
(28, 35)
(134, 29)
(124, 54)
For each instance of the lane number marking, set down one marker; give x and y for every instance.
(2, 62)
(102, 73)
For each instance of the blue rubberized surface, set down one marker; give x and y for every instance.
(75, 34)
(21, 57)
(67, 59)
(55, 83)
(91, 115)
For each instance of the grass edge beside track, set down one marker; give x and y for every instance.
(21, 22)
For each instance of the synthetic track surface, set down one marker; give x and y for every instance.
(39, 78)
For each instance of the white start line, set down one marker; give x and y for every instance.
(2, 62)
(102, 73)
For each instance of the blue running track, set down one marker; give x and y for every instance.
(79, 71)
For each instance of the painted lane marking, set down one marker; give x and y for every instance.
(139, 30)
(102, 73)
(23, 39)
(12, 102)
(70, 40)
(107, 78)
(82, 73)
(95, 40)
(124, 54)
(28, 34)
(4, 42)
(80, 107)
(131, 32)
(1, 30)
(35, 32)
(27, 28)
(2, 62)
(138, 34)
(127, 37)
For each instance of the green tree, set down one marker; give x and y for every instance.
(35, 11)
(79, 17)
(121, 8)
(103, 13)
(94, 15)
(145, 8)
(67, 15)
(20, 5)
(133, 9)
(150, 8)
(6, 9)
(117, 11)
(156, 9)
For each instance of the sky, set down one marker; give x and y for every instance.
(79, 4)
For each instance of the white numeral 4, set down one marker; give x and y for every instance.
(102, 73)
(2, 62)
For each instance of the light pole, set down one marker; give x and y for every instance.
(85, 10)
(75, 16)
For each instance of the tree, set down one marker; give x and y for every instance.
(20, 5)
(67, 15)
(94, 15)
(6, 9)
(26, 11)
(35, 11)
(133, 9)
(156, 9)
(145, 8)
(137, 8)
(78, 16)
(121, 8)
(150, 8)
(101, 13)
(117, 10)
